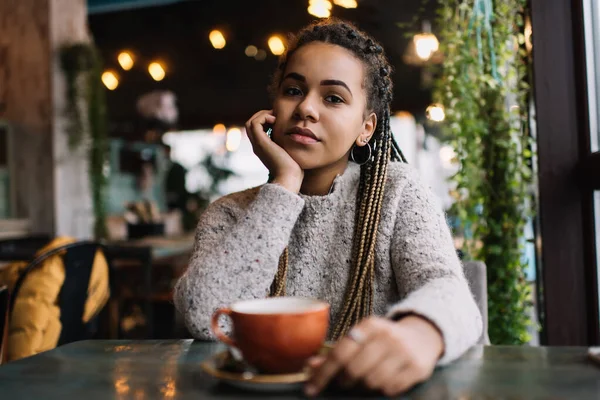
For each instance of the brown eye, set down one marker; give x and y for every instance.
(292, 91)
(334, 99)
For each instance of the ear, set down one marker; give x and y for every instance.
(368, 129)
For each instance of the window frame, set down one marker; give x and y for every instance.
(567, 174)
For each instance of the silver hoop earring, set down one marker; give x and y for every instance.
(366, 160)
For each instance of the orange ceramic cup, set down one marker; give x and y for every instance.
(276, 335)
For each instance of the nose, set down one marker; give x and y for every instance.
(307, 109)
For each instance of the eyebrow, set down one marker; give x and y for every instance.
(326, 82)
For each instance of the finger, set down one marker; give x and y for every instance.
(256, 114)
(249, 121)
(366, 359)
(257, 126)
(405, 379)
(248, 124)
(261, 115)
(333, 364)
(386, 373)
(315, 362)
(337, 359)
(262, 144)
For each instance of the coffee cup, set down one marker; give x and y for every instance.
(275, 335)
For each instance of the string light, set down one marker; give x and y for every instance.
(319, 8)
(346, 3)
(234, 139)
(276, 45)
(217, 39)
(110, 80)
(261, 55)
(435, 112)
(425, 45)
(157, 71)
(219, 129)
(423, 49)
(251, 51)
(125, 60)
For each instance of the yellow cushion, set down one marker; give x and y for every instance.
(35, 320)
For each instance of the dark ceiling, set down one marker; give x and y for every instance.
(225, 85)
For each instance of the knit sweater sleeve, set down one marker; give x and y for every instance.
(429, 275)
(239, 240)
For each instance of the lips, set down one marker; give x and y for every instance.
(298, 131)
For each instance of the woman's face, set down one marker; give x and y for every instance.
(320, 106)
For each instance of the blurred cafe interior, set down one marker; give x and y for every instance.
(122, 120)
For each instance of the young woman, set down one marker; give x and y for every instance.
(342, 219)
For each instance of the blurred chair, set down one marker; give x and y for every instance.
(22, 248)
(78, 260)
(3, 321)
(476, 274)
(131, 281)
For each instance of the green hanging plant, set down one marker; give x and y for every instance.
(483, 87)
(86, 113)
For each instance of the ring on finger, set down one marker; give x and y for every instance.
(356, 335)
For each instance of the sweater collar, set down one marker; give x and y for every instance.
(344, 187)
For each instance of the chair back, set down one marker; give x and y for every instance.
(78, 260)
(22, 248)
(123, 260)
(476, 274)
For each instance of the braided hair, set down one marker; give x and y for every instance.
(358, 300)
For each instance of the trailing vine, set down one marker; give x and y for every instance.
(484, 89)
(86, 113)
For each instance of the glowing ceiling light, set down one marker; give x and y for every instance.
(425, 45)
(251, 51)
(156, 70)
(260, 55)
(219, 129)
(217, 39)
(320, 8)
(234, 139)
(125, 60)
(346, 3)
(276, 45)
(436, 113)
(110, 80)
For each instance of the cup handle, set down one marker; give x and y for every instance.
(217, 331)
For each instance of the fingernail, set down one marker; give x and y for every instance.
(312, 361)
(310, 390)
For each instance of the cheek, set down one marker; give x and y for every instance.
(279, 112)
(348, 128)
(281, 108)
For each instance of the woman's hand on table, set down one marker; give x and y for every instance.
(380, 354)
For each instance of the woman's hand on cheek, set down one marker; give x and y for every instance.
(285, 170)
(384, 355)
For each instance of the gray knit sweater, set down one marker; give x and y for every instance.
(240, 237)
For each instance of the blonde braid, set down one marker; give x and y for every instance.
(279, 283)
